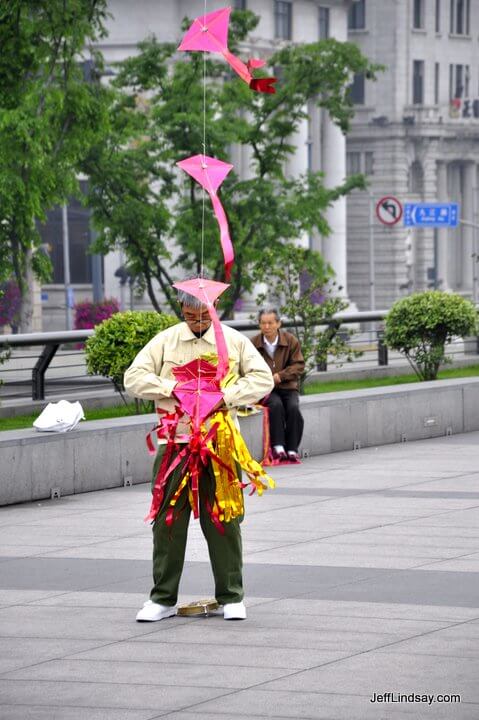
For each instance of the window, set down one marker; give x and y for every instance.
(323, 23)
(436, 83)
(438, 16)
(357, 15)
(240, 5)
(418, 82)
(356, 89)
(459, 81)
(418, 15)
(368, 163)
(79, 239)
(460, 17)
(416, 178)
(282, 20)
(353, 163)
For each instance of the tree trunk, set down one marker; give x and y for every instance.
(26, 308)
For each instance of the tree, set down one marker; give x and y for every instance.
(156, 215)
(421, 324)
(49, 114)
(116, 342)
(302, 286)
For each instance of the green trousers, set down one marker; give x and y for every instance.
(169, 543)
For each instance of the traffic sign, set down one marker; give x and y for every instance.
(431, 214)
(389, 210)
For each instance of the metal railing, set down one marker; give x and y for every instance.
(70, 370)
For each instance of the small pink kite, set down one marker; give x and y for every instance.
(207, 291)
(210, 34)
(210, 173)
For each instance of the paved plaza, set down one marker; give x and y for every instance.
(362, 581)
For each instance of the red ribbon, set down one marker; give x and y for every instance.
(263, 85)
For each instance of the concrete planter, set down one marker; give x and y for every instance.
(110, 453)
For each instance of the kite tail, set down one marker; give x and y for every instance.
(225, 239)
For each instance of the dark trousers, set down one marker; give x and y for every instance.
(285, 420)
(169, 543)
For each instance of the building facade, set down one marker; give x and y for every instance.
(320, 145)
(415, 135)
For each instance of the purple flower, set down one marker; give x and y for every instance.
(10, 302)
(89, 314)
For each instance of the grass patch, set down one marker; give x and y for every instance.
(26, 421)
(360, 384)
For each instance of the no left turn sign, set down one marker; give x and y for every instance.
(389, 210)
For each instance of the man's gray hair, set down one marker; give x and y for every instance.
(269, 311)
(185, 298)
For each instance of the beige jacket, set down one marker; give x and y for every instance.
(150, 375)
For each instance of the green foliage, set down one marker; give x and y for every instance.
(116, 342)
(302, 286)
(49, 115)
(157, 120)
(420, 325)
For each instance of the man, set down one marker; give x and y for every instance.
(150, 377)
(282, 352)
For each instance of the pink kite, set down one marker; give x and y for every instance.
(210, 173)
(197, 390)
(210, 34)
(207, 291)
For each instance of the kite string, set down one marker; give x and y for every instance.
(202, 272)
(204, 155)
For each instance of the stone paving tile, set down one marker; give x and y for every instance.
(269, 616)
(380, 672)
(258, 705)
(460, 641)
(75, 623)
(255, 634)
(466, 563)
(93, 599)
(370, 611)
(211, 653)
(49, 712)
(105, 695)
(148, 673)
(20, 653)
(22, 597)
(306, 705)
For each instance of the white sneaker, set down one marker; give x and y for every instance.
(234, 611)
(151, 612)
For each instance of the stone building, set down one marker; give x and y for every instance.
(416, 135)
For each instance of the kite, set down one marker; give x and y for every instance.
(213, 440)
(209, 33)
(210, 173)
(207, 292)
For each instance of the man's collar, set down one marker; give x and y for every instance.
(187, 335)
(280, 338)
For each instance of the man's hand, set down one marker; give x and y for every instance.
(276, 378)
(220, 405)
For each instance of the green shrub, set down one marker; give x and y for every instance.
(116, 342)
(420, 325)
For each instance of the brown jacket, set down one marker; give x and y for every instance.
(288, 359)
